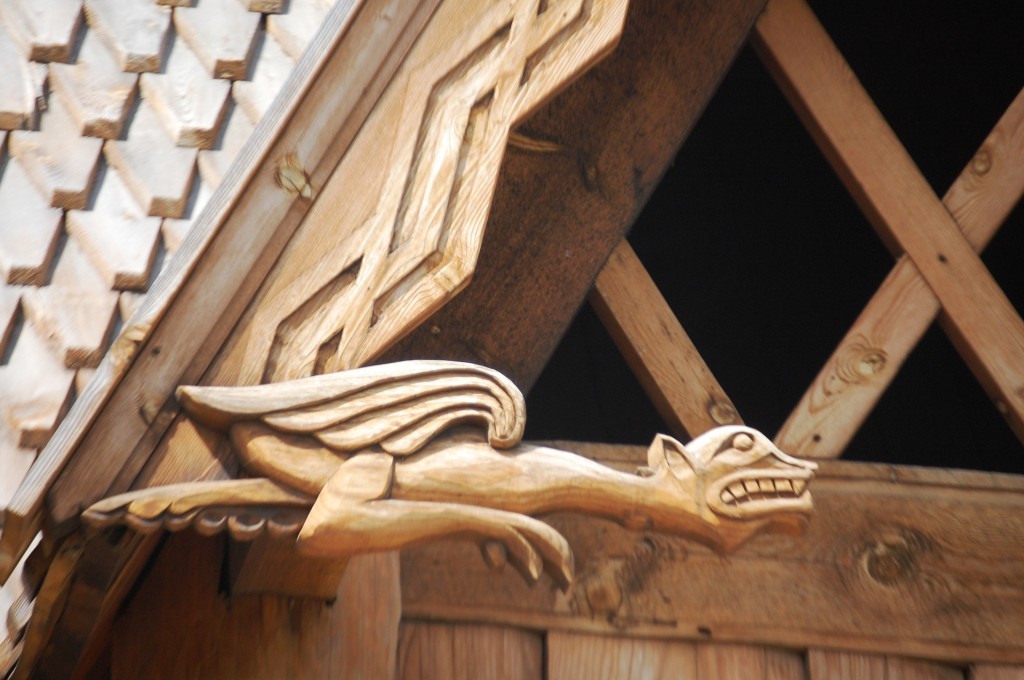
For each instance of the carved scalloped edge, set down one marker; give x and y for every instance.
(245, 508)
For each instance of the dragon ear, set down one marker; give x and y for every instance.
(666, 452)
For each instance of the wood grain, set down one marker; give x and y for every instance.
(179, 626)
(467, 652)
(896, 198)
(896, 560)
(577, 656)
(873, 350)
(836, 665)
(136, 32)
(95, 90)
(984, 671)
(556, 217)
(661, 354)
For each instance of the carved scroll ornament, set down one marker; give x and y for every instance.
(386, 457)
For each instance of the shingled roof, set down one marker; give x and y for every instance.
(117, 122)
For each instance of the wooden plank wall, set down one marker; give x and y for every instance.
(463, 651)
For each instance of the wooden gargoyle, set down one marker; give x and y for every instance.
(385, 457)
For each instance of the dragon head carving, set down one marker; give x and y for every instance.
(739, 480)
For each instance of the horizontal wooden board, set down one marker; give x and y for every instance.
(895, 560)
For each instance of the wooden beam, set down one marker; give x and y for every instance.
(249, 234)
(563, 205)
(896, 198)
(873, 350)
(654, 344)
(895, 560)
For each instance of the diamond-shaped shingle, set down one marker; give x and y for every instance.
(60, 162)
(136, 31)
(158, 172)
(117, 235)
(189, 103)
(95, 90)
(29, 228)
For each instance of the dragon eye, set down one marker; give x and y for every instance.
(743, 442)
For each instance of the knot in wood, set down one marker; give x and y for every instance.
(894, 559)
(722, 412)
(982, 162)
(871, 362)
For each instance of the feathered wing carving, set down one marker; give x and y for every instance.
(399, 407)
(360, 461)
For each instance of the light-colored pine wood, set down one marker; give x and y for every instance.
(45, 31)
(889, 188)
(117, 235)
(175, 230)
(76, 312)
(10, 297)
(370, 446)
(837, 665)
(295, 28)
(35, 389)
(214, 163)
(221, 33)
(60, 162)
(345, 80)
(739, 662)
(576, 656)
(188, 102)
(157, 171)
(136, 31)
(896, 318)
(659, 351)
(25, 254)
(266, 6)
(886, 565)
(20, 87)
(467, 652)
(270, 70)
(95, 90)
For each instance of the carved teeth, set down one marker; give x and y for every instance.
(762, 489)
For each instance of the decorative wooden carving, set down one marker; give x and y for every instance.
(381, 458)
(415, 228)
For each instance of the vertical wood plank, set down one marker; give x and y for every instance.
(180, 626)
(836, 665)
(897, 668)
(468, 652)
(831, 665)
(987, 671)
(577, 656)
(747, 662)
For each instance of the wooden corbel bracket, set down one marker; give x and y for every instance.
(391, 456)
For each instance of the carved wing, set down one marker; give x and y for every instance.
(399, 407)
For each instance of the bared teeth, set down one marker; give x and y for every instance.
(784, 486)
(798, 486)
(737, 490)
(751, 486)
(767, 486)
(728, 497)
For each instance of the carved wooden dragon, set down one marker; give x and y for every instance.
(356, 461)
